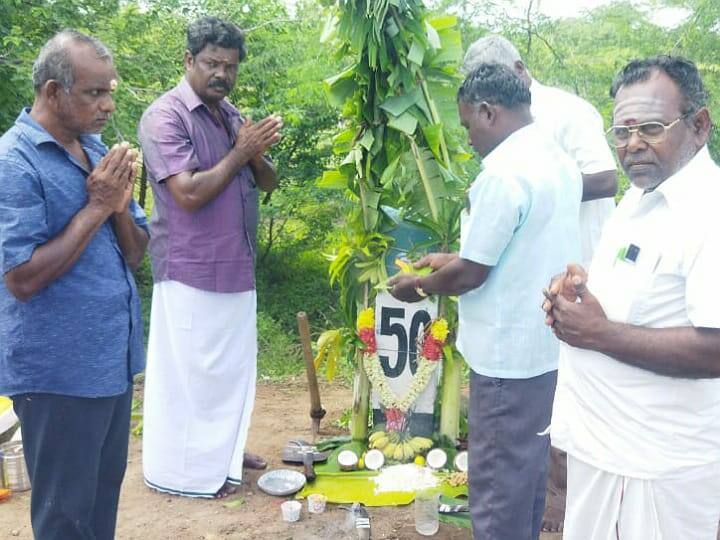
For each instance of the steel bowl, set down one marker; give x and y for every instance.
(281, 482)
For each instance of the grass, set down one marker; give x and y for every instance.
(279, 352)
(288, 282)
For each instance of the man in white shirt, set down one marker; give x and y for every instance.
(637, 406)
(521, 226)
(577, 127)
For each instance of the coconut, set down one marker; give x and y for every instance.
(461, 461)
(436, 458)
(348, 460)
(374, 459)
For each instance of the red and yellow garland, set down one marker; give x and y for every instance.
(431, 346)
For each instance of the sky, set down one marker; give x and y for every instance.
(572, 8)
(667, 17)
(562, 8)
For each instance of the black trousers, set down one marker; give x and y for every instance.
(508, 459)
(76, 452)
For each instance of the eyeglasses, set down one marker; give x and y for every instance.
(650, 132)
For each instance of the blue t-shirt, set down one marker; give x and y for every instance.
(523, 222)
(81, 335)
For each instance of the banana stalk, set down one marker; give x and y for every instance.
(436, 120)
(450, 385)
(361, 402)
(429, 194)
(377, 34)
(361, 391)
(450, 394)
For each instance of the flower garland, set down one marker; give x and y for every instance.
(431, 353)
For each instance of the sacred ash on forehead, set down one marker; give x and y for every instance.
(636, 109)
(655, 99)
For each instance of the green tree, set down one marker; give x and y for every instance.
(399, 149)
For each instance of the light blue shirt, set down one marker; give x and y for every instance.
(82, 334)
(523, 222)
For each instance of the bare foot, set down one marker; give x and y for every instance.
(253, 461)
(554, 515)
(225, 490)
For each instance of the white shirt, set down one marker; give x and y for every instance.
(523, 222)
(627, 420)
(578, 128)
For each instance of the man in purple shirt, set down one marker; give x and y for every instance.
(205, 163)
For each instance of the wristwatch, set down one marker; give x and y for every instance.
(418, 288)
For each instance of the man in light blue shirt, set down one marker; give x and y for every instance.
(521, 229)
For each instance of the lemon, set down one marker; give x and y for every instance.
(419, 460)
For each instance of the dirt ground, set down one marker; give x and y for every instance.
(281, 413)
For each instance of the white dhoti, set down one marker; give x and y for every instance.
(199, 388)
(605, 506)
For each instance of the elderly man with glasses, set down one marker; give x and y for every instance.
(637, 406)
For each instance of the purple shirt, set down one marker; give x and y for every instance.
(212, 248)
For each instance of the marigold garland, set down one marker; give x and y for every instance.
(366, 319)
(430, 345)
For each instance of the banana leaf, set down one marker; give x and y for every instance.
(459, 519)
(406, 123)
(340, 87)
(396, 105)
(332, 180)
(346, 488)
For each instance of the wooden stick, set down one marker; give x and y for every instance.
(316, 410)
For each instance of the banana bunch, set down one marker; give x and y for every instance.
(397, 447)
(407, 268)
(420, 444)
(329, 350)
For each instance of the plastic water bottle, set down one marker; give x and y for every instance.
(427, 519)
(357, 522)
(352, 515)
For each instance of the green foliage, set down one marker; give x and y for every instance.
(584, 54)
(144, 40)
(136, 417)
(386, 132)
(290, 282)
(279, 353)
(144, 281)
(282, 74)
(397, 149)
(24, 27)
(357, 264)
(343, 422)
